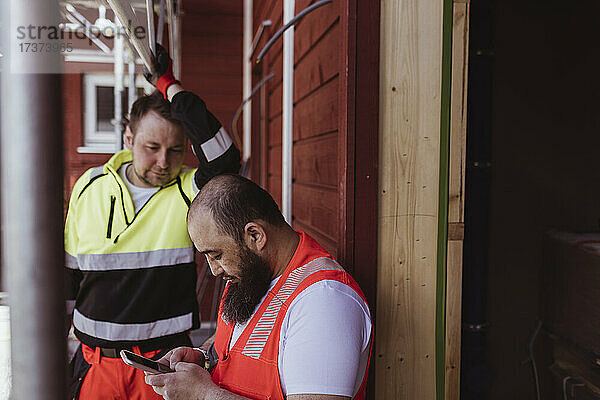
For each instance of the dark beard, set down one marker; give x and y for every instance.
(241, 298)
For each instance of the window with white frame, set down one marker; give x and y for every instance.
(99, 110)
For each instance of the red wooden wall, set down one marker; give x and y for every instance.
(336, 115)
(316, 172)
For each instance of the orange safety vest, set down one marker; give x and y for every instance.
(250, 368)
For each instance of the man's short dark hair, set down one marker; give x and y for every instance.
(234, 201)
(151, 102)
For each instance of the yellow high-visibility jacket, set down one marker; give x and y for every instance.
(137, 271)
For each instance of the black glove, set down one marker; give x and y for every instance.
(163, 78)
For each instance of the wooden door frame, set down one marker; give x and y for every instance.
(358, 147)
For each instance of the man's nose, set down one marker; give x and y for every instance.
(215, 268)
(162, 160)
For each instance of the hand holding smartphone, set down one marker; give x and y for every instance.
(143, 363)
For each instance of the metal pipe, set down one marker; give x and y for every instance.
(161, 23)
(247, 80)
(258, 35)
(32, 207)
(172, 18)
(176, 54)
(170, 25)
(287, 131)
(237, 113)
(87, 30)
(150, 19)
(285, 27)
(128, 20)
(132, 91)
(118, 89)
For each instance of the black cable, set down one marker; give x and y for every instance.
(239, 109)
(278, 34)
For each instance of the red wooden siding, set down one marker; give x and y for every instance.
(316, 118)
(212, 68)
(336, 90)
(212, 55)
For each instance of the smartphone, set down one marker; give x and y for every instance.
(143, 363)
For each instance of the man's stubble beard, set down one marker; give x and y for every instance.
(241, 298)
(146, 179)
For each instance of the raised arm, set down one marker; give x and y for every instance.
(212, 145)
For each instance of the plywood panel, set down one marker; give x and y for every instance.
(321, 64)
(410, 95)
(316, 207)
(317, 113)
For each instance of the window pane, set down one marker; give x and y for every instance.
(105, 108)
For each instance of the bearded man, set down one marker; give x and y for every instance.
(292, 323)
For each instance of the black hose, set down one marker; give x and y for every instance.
(278, 34)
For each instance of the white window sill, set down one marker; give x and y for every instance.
(96, 150)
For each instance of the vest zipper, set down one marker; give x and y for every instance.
(113, 199)
(140, 210)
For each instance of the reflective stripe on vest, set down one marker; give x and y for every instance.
(260, 334)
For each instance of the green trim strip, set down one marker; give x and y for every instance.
(442, 248)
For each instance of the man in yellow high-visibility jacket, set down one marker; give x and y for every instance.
(129, 256)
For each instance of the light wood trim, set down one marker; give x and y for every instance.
(453, 319)
(409, 148)
(458, 133)
(458, 112)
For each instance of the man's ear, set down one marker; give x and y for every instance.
(255, 236)
(128, 138)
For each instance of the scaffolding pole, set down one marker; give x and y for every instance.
(118, 89)
(247, 80)
(129, 21)
(32, 208)
(174, 35)
(287, 113)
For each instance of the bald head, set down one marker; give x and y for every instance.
(232, 201)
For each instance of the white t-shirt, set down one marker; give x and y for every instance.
(322, 349)
(139, 195)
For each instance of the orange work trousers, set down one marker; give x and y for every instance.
(110, 378)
